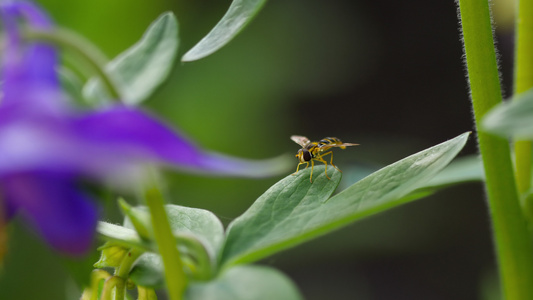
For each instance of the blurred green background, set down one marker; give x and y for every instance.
(384, 74)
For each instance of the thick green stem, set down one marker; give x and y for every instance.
(523, 82)
(522, 151)
(166, 242)
(146, 293)
(113, 282)
(127, 263)
(81, 47)
(511, 236)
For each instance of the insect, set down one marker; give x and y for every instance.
(312, 151)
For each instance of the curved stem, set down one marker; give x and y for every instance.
(513, 243)
(174, 275)
(202, 266)
(113, 282)
(81, 47)
(523, 82)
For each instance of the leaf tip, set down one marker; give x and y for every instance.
(123, 205)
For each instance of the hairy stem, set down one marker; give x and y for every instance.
(511, 236)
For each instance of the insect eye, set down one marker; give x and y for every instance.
(306, 155)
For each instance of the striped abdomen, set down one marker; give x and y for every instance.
(329, 141)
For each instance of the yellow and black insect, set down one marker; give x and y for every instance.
(312, 151)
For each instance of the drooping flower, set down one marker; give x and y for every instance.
(46, 145)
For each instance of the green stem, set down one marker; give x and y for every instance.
(110, 284)
(91, 292)
(166, 242)
(146, 293)
(522, 151)
(511, 236)
(81, 47)
(523, 82)
(125, 266)
(123, 271)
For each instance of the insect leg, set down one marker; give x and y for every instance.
(298, 167)
(319, 158)
(312, 166)
(331, 162)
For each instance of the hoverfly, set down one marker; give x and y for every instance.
(312, 151)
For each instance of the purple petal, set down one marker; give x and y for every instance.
(40, 142)
(28, 71)
(29, 10)
(51, 204)
(133, 133)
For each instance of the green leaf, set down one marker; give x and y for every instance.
(261, 230)
(245, 283)
(239, 14)
(199, 235)
(139, 70)
(202, 224)
(122, 236)
(148, 271)
(112, 256)
(512, 118)
(140, 221)
(461, 170)
(293, 211)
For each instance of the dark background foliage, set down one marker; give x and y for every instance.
(385, 74)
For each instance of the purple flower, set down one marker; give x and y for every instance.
(47, 146)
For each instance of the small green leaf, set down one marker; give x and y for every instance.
(148, 271)
(245, 283)
(198, 265)
(122, 236)
(512, 118)
(202, 224)
(292, 211)
(239, 14)
(199, 235)
(140, 221)
(112, 256)
(139, 70)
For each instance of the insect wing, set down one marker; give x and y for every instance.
(346, 145)
(342, 146)
(300, 140)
